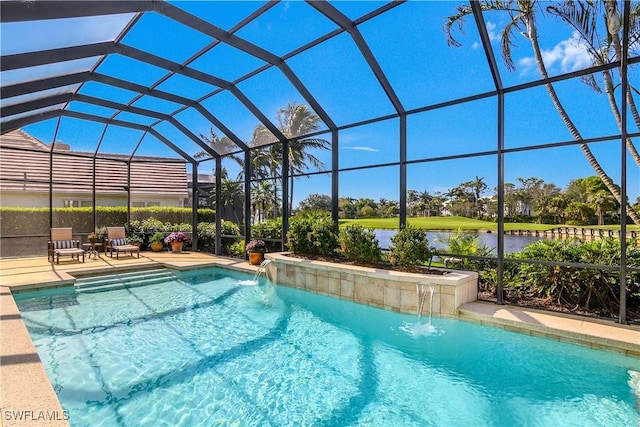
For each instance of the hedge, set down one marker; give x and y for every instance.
(17, 221)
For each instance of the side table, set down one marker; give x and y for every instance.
(92, 249)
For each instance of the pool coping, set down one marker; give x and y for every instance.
(27, 389)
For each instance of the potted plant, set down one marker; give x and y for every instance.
(256, 249)
(135, 240)
(157, 241)
(176, 239)
(93, 237)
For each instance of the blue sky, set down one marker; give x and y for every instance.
(410, 46)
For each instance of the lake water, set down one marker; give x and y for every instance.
(511, 243)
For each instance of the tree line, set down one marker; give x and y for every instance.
(585, 201)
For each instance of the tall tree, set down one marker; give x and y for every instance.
(293, 121)
(412, 200)
(522, 21)
(581, 16)
(264, 197)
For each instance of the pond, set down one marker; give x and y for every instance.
(436, 238)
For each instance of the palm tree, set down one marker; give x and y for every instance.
(219, 144)
(263, 196)
(581, 17)
(232, 200)
(522, 14)
(477, 187)
(424, 199)
(602, 201)
(293, 120)
(413, 197)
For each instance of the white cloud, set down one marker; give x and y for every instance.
(373, 150)
(475, 45)
(491, 30)
(566, 56)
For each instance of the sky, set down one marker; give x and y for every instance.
(410, 47)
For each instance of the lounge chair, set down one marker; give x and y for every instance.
(62, 243)
(116, 242)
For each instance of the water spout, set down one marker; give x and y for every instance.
(420, 329)
(261, 269)
(432, 289)
(421, 291)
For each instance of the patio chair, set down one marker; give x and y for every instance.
(116, 242)
(62, 243)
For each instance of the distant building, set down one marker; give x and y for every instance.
(24, 176)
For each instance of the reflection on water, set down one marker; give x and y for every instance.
(511, 243)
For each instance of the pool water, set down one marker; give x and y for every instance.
(203, 350)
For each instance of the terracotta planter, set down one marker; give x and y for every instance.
(156, 246)
(176, 247)
(256, 258)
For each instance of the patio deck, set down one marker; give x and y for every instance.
(27, 393)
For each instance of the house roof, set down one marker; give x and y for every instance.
(24, 166)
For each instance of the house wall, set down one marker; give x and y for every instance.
(33, 199)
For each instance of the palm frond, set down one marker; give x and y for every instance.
(590, 80)
(456, 20)
(582, 18)
(506, 44)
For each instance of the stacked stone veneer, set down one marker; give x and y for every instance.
(391, 290)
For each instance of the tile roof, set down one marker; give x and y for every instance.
(24, 166)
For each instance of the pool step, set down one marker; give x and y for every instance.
(123, 280)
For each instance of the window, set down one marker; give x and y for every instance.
(144, 204)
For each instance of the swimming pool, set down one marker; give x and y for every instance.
(202, 349)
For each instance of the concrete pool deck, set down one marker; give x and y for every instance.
(27, 397)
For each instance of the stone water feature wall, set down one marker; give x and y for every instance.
(391, 290)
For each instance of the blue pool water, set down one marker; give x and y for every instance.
(204, 350)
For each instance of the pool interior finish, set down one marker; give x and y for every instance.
(207, 348)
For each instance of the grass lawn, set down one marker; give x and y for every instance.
(455, 223)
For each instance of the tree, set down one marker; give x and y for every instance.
(347, 207)
(219, 144)
(510, 198)
(522, 21)
(478, 187)
(387, 208)
(315, 202)
(603, 202)
(424, 200)
(578, 213)
(413, 198)
(581, 16)
(264, 198)
(232, 200)
(436, 205)
(293, 120)
(530, 190)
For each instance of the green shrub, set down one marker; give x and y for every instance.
(134, 238)
(237, 248)
(158, 237)
(312, 233)
(207, 236)
(360, 244)
(230, 228)
(269, 229)
(32, 221)
(410, 246)
(465, 243)
(591, 289)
